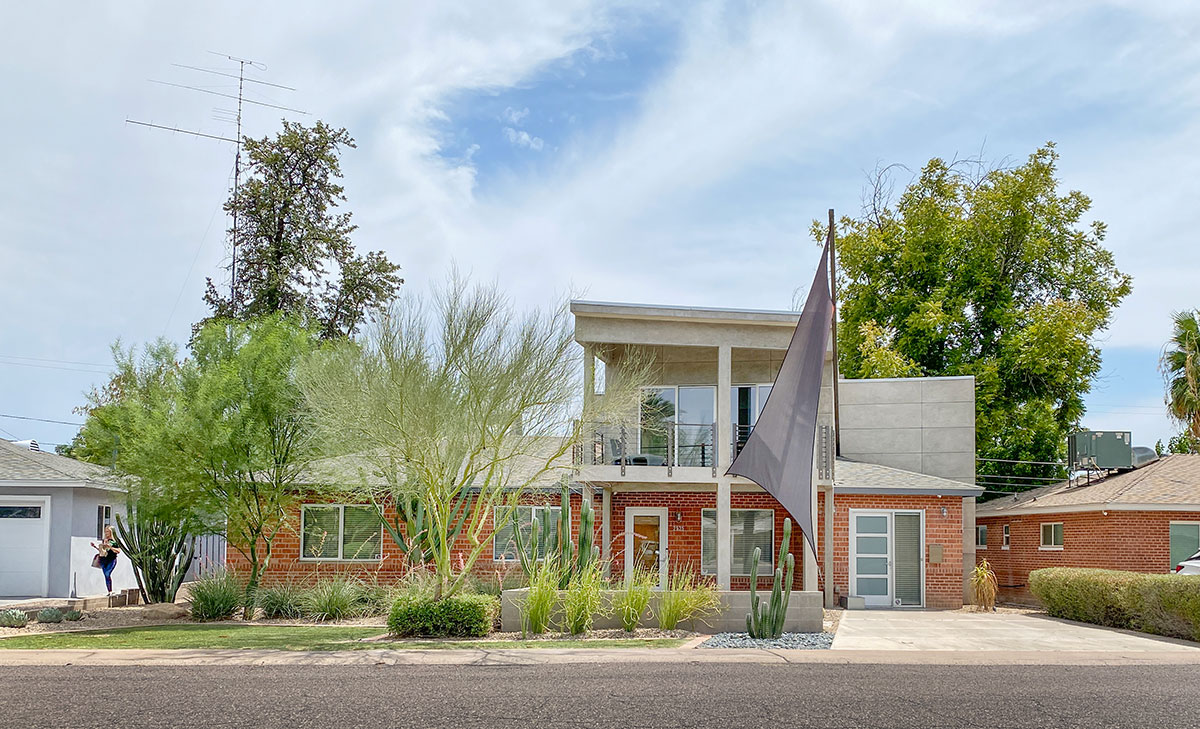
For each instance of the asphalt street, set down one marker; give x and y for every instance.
(599, 695)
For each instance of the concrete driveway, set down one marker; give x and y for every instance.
(932, 630)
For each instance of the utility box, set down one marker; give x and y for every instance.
(1100, 449)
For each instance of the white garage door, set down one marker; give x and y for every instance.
(23, 546)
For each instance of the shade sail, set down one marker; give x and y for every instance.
(778, 455)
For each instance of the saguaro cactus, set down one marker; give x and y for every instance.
(766, 620)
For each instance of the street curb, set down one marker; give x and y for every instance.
(562, 656)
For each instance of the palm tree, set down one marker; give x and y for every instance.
(1181, 368)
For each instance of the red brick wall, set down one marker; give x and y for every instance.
(1137, 541)
(286, 564)
(943, 582)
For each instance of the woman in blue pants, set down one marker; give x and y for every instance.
(106, 557)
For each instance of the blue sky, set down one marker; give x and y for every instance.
(646, 152)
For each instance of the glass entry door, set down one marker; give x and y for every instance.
(887, 550)
(646, 542)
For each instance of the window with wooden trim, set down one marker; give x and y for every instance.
(340, 533)
(748, 528)
(1052, 535)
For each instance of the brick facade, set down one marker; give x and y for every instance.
(943, 582)
(1137, 541)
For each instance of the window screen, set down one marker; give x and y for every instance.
(504, 545)
(1052, 535)
(362, 537)
(1185, 541)
(981, 535)
(321, 532)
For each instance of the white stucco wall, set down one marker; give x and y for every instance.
(89, 581)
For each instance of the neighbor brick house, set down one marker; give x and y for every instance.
(903, 490)
(1143, 520)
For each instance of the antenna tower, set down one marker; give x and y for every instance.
(229, 116)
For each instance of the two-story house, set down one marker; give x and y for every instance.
(902, 506)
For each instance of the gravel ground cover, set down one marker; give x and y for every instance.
(788, 641)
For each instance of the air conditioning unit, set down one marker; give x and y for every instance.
(1100, 450)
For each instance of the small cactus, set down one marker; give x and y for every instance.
(50, 615)
(72, 616)
(13, 619)
(766, 621)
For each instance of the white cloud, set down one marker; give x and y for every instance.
(522, 138)
(514, 116)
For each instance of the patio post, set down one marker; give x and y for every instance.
(723, 448)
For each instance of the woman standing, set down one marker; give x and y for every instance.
(106, 556)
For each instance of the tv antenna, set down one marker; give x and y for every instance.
(231, 116)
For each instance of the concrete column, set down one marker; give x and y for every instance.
(810, 557)
(606, 525)
(589, 376)
(968, 511)
(723, 544)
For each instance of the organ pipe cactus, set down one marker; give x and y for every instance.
(573, 557)
(765, 620)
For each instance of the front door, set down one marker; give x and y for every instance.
(887, 558)
(646, 542)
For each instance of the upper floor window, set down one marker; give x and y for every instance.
(677, 425)
(746, 403)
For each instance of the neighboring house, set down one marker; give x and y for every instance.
(51, 508)
(1143, 520)
(903, 504)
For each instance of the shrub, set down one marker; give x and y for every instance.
(72, 616)
(280, 601)
(13, 619)
(50, 615)
(631, 602)
(984, 585)
(1101, 597)
(335, 599)
(582, 601)
(377, 599)
(688, 598)
(541, 597)
(455, 616)
(1168, 605)
(216, 596)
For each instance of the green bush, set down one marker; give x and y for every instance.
(216, 596)
(1161, 604)
(50, 615)
(1169, 605)
(284, 601)
(72, 616)
(463, 615)
(1100, 597)
(582, 601)
(13, 619)
(335, 599)
(631, 602)
(541, 597)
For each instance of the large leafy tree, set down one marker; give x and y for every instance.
(1181, 368)
(293, 253)
(991, 274)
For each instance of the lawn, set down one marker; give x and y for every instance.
(289, 638)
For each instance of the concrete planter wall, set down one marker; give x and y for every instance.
(804, 615)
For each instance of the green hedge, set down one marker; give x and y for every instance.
(1160, 604)
(455, 616)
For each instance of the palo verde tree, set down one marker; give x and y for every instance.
(242, 439)
(293, 253)
(466, 400)
(129, 428)
(987, 273)
(1180, 366)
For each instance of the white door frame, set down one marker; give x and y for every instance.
(891, 551)
(663, 526)
(44, 501)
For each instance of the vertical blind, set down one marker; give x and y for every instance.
(908, 557)
(504, 544)
(748, 528)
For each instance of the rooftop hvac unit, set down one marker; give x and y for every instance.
(1100, 450)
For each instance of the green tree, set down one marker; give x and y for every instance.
(1180, 366)
(293, 249)
(242, 438)
(992, 275)
(469, 401)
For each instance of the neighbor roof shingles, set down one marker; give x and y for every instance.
(18, 463)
